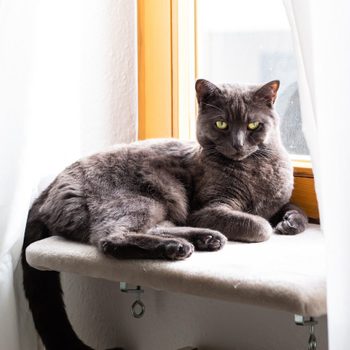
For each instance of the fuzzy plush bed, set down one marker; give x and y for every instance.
(286, 273)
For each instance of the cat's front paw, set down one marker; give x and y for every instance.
(209, 240)
(293, 223)
(260, 231)
(177, 250)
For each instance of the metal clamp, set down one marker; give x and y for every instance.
(138, 307)
(310, 322)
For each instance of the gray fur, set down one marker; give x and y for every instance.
(163, 198)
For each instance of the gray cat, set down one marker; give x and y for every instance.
(163, 199)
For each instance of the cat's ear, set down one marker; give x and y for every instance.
(268, 92)
(205, 89)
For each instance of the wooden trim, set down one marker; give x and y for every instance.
(155, 84)
(175, 67)
(304, 194)
(185, 70)
(167, 63)
(303, 168)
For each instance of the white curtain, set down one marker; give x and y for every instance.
(67, 89)
(321, 31)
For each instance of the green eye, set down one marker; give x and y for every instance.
(221, 125)
(253, 125)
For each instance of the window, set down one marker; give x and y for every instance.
(250, 41)
(180, 40)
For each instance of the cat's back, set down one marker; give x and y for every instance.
(128, 166)
(140, 158)
(157, 169)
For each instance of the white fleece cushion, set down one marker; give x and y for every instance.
(286, 273)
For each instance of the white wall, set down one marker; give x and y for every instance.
(71, 78)
(108, 73)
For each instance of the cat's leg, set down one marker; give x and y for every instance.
(289, 220)
(234, 224)
(201, 238)
(121, 231)
(145, 246)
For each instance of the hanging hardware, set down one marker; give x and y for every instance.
(138, 307)
(310, 322)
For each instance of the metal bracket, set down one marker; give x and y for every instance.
(309, 322)
(138, 307)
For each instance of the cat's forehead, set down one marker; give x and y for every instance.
(237, 91)
(237, 98)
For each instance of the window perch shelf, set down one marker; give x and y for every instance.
(285, 273)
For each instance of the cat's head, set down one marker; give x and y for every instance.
(236, 120)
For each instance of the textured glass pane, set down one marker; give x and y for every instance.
(250, 41)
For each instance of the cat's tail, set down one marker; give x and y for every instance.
(44, 293)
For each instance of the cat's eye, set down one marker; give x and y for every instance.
(221, 125)
(253, 125)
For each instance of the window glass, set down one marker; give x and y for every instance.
(250, 41)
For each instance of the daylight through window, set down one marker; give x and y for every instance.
(250, 41)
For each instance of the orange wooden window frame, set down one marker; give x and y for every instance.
(304, 194)
(158, 89)
(155, 85)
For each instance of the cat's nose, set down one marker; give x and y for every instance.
(238, 141)
(238, 144)
(237, 147)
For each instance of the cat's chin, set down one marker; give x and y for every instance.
(237, 157)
